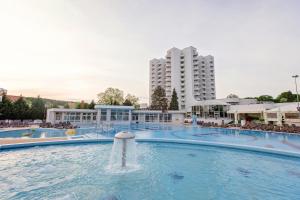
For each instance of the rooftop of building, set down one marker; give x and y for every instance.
(268, 107)
(113, 107)
(226, 101)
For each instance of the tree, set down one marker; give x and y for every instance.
(82, 105)
(38, 109)
(111, 96)
(131, 100)
(127, 102)
(232, 96)
(174, 101)
(286, 97)
(6, 108)
(92, 105)
(265, 98)
(21, 109)
(159, 100)
(67, 106)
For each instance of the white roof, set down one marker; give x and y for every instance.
(158, 111)
(251, 108)
(212, 102)
(285, 107)
(70, 110)
(114, 107)
(225, 102)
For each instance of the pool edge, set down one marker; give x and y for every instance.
(155, 140)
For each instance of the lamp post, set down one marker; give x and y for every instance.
(295, 77)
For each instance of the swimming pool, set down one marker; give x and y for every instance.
(270, 140)
(167, 171)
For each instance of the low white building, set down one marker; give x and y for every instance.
(271, 113)
(75, 116)
(247, 112)
(286, 113)
(112, 114)
(217, 111)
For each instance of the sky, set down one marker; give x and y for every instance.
(75, 49)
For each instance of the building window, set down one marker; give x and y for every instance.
(119, 115)
(103, 115)
(151, 117)
(84, 116)
(57, 116)
(72, 117)
(77, 117)
(292, 116)
(88, 116)
(135, 117)
(165, 117)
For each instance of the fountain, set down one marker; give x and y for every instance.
(123, 155)
(43, 135)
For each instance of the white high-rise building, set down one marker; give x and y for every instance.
(157, 74)
(191, 75)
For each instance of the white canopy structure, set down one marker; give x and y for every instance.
(252, 108)
(285, 108)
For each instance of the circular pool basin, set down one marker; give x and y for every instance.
(166, 171)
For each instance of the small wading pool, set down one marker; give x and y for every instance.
(166, 171)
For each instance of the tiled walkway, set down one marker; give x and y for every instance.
(28, 140)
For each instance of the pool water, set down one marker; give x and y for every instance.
(271, 140)
(167, 171)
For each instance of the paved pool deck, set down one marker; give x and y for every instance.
(29, 140)
(18, 128)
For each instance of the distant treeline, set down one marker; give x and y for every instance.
(34, 108)
(284, 97)
(22, 109)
